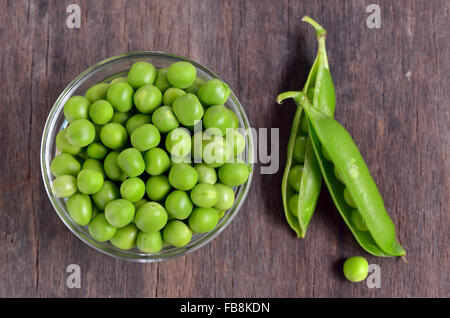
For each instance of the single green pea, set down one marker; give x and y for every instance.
(97, 150)
(178, 205)
(338, 174)
(203, 220)
(181, 74)
(205, 173)
(137, 121)
(114, 135)
(358, 221)
(94, 164)
(325, 154)
(304, 129)
(141, 73)
(147, 98)
(164, 119)
(216, 151)
(295, 177)
(225, 197)
(76, 107)
(132, 189)
(161, 80)
(145, 137)
(300, 148)
(188, 109)
(120, 79)
(236, 140)
(112, 169)
(125, 237)
(101, 112)
(120, 118)
(157, 187)
(356, 269)
(213, 92)
(79, 207)
(234, 174)
(293, 205)
(64, 186)
(348, 198)
(97, 92)
(119, 212)
(150, 242)
(131, 162)
(80, 133)
(193, 89)
(178, 142)
(204, 195)
(64, 164)
(151, 217)
(177, 233)
(89, 181)
(64, 145)
(139, 203)
(183, 176)
(171, 94)
(156, 161)
(100, 229)
(218, 116)
(120, 95)
(108, 192)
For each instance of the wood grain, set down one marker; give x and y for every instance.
(392, 95)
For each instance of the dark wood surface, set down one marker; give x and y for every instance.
(392, 87)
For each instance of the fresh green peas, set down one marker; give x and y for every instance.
(293, 205)
(205, 173)
(295, 177)
(137, 121)
(141, 73)
(100, 229)
(156, 161)
(132, 189)
(358, 221)
(120, 95)
(120, 79)
(183, 176)
(108, 192)
(161, 80)
(80, 133)
(97, 92)
(89, 181)
(178, 205)
(356, 269)
(178, 142)
(304, 125)
(147, 98)
(236, 140)
(213, 92)
(120, 118)
(76, 107)
(348, 198)
(94, 164)
(151, 217)
(216, 151)
(177, 233)
(101, 112)
(188, 109)
(64, 186)
(64, 145)
(300, 148)
(164, 119)
(157, 187)
(97, 150)
(220, 117)
(113, 135)
(125, 237)
(119, 212)
(181, 74)
(64, 164)
(204, 195)
(131, 162)
(193, 89)
(145, 137)
(150, 242)
(79, 207)
(203, 220)
(171, 94)
(225, 197)
(112, 169)
(234, 174)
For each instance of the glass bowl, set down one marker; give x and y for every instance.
(105, 71)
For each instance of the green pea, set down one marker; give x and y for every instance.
(147, 98)
(203, 220)
(214, 92)
(181, 74)
(89, 181)
(338, 174)
(171, 94)
(293, 205)
(156, 161)
(139, 203)
(205, 173)
(188, 109)
(112, 169)
(234, 174)
(113, 135)
(145, 137)
(300, 148)
(164, 119)
(151, 217)
(348, 198)
(97, 150)
(120, 95)
(183, 176)
(137, 121)
(100, 229)
(80, 133)
(356, 269)
(295, 177)
(150, 242)
(218, 116)
(304, 129)
(119, 212)
(93, 164)
(108, 192)
(157, 187)
(197, 146)
(178, 142)
(76, 107)
(161, 80)
(101, 112)
(97, 92)
(325, 154)
(64, 186)
(79, 207)
(193, 89)
(204, 195)
(120, 79)
(141, 73)
(358, 221)
(237, 141)
(132, 189)
(178, 205)
(177, 233)
(131, 162)
(221, 213)
(216, 151)
(64, 164)
(125, 237)
(235, 119)
(120, 118)
(177, 160)
(225, 197)
(64, 145)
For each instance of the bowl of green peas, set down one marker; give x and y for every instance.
(147, 156)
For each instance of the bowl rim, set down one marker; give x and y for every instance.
(141, 258)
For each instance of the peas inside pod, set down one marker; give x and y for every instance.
(126, 163)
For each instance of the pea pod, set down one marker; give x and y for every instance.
(319, 86)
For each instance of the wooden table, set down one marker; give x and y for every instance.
(392, 86)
